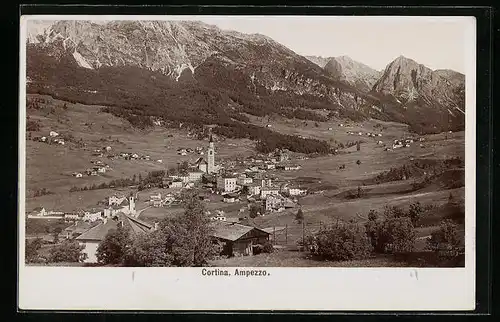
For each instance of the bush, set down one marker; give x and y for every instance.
(393, 234)
(267, 247)
(67, 251)
(32, 125)
(180, 241)
(31, 250)
(340, 243)
(446, 241)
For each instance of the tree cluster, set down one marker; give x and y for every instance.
(180, 241)
(339, 242)
(394, 231)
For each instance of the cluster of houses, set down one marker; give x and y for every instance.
(369, 134)
(52, 138)
(121, 155)
(186, 151)
(157, 200)
(115, 204)
(272, 196)
(405, 143)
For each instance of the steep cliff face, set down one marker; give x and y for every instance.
(348, 71)
(434, 99)
(201, 68)
(407, 81)
(177, 48)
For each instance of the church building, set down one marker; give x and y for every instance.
(208, 166)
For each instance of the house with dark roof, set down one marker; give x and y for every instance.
(95, 235)
(238, 239)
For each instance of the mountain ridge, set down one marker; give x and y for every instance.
(259, 75)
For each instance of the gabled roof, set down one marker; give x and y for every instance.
(38, 209)
(99, 232)
(79, 227)
(232, 231)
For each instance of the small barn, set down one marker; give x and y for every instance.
(238, 239)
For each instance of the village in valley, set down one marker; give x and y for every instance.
(178, 143)
(249, 198)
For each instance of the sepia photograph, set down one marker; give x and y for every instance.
(224, 143)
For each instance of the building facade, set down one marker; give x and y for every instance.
(211, 156)
(226, 184)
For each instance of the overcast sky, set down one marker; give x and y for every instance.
(437, 42)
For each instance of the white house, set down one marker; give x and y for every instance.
(194, 176)
(274, 202)
(91, 238)
(176, 184)
(226, 183)
(116, 199)
(73, 216)
(53, 134)
(294, 191)
(92, 215)
(122, 204)
(254, 189)
(266, 191)
(244, 180)
(39, 212)
(270, 166)
(155, 200)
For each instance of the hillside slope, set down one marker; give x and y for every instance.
(185, 71)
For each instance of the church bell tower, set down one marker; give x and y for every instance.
(211, 156)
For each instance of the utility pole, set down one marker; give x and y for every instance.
(274, 235)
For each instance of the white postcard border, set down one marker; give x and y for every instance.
(362, 289)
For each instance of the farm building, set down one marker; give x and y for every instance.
(238, 239)
(92, 237)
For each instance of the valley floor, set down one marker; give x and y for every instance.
(51, 167)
